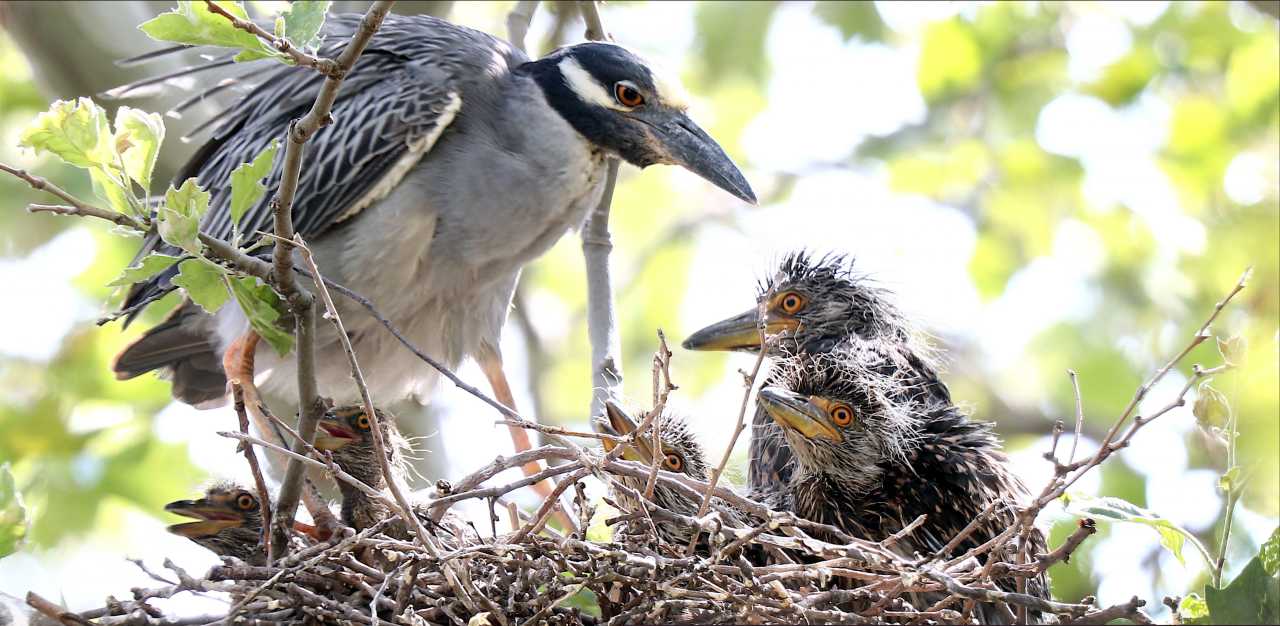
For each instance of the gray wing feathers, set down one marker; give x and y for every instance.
(403, 92)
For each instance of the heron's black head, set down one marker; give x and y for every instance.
(845, 413)
(621, 104)
(815, 303)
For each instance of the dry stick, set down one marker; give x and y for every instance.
(602, 322)
(1075, 385)
(379, 446)
(518, 22)
(662, 389)
(750, 383)
(52, 610)
(300, 302)
(325, 66)
(264, 497)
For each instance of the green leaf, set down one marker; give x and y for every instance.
(13, 514)
(1193, 609)
(179, 218)
(303, 21)
(111, 190)
(74, 131)
(246, 181)
(264, 309)
(149, 266)
(194, 24)
(137, 139)
(1232, 349)
(1112, 509)
(1252, 598)
(203, 282)
(1211, 408)
(1270, 553)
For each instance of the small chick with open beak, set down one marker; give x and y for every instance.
(229, 522)
(346, 433)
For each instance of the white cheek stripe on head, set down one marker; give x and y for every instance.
(586, 86)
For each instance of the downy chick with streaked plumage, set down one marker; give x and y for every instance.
(228, 522)
(813, 305)
(872, 454)
(346, 433)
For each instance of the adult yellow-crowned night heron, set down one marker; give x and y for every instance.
(873, 453)
(454, 161)
(818, 304)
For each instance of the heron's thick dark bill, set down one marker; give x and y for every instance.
(737, 333)
(795, 412)
(212, 518)
(623, 425)
(690, 147)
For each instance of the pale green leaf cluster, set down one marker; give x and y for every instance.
(13, 514)
(263, 307)
(192, 23)
(1211, 409)
(120, 161)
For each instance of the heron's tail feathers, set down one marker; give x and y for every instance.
(183, 349)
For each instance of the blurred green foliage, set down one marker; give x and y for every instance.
(986, 73)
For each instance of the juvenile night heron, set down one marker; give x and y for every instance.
(229, 522)
(346, 432)
(680, 453)
(872, 454)
(454, 161)
(815, 305)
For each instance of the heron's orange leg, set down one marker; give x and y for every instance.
(238, 365)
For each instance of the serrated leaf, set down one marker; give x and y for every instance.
(149, 266)
(194, 24)
(138, 138)
(264, 309)
(303, 22)
(246, 181)
(203, 282)
(1211, 408)
(1113, 509)
(1232, 349)
(13, 514)
(1193, 609)
(1252, 598)
(1270, 553)
(179, 218)
(75, 131)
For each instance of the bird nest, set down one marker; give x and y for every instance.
(734, 560)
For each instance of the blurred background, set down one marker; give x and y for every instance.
(1044, 185)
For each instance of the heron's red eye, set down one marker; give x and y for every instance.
(842, 415)
(791, 303)
(363, 421)
(627, 94)
(246, 502)
(674, 462)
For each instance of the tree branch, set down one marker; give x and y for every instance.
(602, 321)
(301, 304)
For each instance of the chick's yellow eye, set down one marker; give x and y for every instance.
(363, 421)
(791, 303)
(842, 415)
(674, 462)
(627, 94)
(246, 502)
